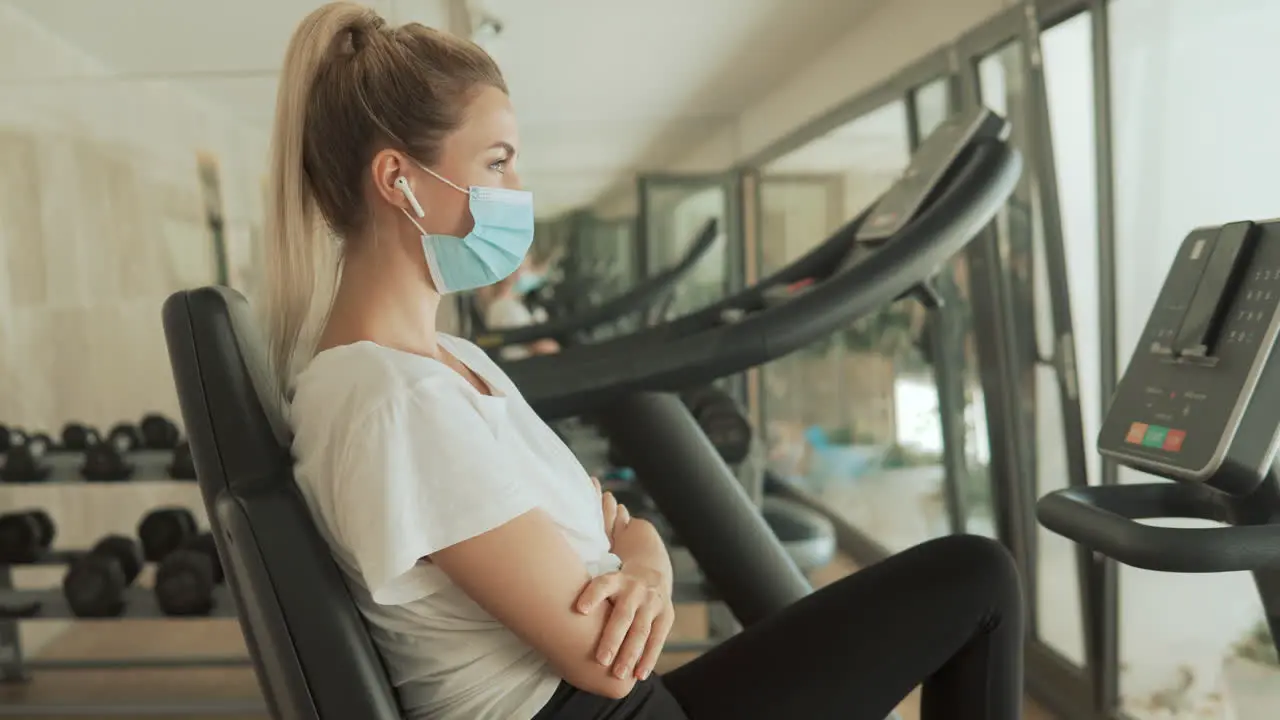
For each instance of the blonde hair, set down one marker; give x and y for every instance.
(350, 86)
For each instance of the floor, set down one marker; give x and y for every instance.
(188, 638)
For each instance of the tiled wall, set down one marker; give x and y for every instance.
(101, 217)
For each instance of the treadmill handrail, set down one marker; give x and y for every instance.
(581, 378)
(635, 300)
(1103, 519)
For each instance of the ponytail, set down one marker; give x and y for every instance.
(342, 93)
(301, 258)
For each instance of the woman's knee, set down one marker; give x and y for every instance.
(982, 562)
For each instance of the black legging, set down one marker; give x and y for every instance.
(947, 613)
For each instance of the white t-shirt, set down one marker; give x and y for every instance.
(398, 456)
(510, 312)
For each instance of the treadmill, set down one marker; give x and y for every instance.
(1200, 405)
(955, 185)
(635, 302)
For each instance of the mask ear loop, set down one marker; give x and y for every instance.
(442, 179)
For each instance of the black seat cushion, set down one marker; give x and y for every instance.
(310, 646)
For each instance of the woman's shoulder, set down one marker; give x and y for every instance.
(351, 380)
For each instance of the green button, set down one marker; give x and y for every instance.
(1155, 436)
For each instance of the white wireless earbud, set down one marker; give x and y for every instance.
(403, 186)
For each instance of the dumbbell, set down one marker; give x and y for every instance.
(104, 462)
(25, 536)
(187, 576)
(158, 432)
(24, 461)
(164, 530)
(183, 466)
(95, 584)
(125, 438)
(78, 437)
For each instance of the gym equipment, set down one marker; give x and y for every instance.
(25, 536)
(78, 437)
(186, 578)
(105, 462)
(24, 462)
(1199, 404)
(722, 420)
(95, 584)
(280, 570)
(182, 467)
(164, 530)
(158, 432)
(13, 437)
(565, 330)
(624, 382)
(125, 438)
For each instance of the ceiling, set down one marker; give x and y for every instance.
(604, 88)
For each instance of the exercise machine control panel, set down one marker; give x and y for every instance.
(930, 163)
(1200, 400)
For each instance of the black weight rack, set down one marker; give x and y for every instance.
(150, 466)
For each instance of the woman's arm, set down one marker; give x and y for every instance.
(525, 574)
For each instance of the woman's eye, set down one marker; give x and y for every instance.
(499, 166)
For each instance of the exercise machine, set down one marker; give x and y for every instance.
(1200, 405)
(956, 183)
(311, 648)
(633, 304)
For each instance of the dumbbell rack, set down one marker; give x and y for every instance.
(140, 603)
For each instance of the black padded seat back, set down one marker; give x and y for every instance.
(310, 646)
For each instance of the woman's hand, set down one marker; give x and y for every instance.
(616, 515)
(639, 622)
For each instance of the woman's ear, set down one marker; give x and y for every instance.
(387, 167)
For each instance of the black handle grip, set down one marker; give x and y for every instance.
(1103, 519)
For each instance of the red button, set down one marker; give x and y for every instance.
(1137, 431)
(1173, 440)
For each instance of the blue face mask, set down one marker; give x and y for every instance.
(528, 282)
(493, 249)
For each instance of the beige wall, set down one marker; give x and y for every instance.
(101, 217)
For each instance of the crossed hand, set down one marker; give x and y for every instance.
(642, 613)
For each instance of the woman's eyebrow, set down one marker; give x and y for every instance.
(505, 146)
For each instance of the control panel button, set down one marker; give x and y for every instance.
(1137, 432)
(1173, 440)
(1155, 436)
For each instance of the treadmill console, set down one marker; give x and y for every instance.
(929, 165)
(1200, 400)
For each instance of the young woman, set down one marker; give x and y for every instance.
(496, 579)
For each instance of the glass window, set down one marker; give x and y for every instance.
(1068, 76)
(853, 418)
(1195, 140)
(674, 212)
(933, 105)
